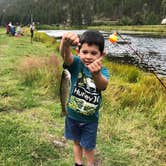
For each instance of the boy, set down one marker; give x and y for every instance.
(88, 79)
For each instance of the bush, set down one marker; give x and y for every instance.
(152, 19)
(125, 21)
(44, 38)
(138, 19)
(133, 76)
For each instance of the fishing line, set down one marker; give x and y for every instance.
(141, 57)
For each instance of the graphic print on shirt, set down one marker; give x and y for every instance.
(85, 99)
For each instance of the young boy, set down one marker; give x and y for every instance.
(88, 79)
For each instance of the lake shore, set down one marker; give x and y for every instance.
(144, 30)
(141, 30)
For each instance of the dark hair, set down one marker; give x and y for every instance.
(92, 37)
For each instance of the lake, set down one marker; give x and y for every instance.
(151, 50)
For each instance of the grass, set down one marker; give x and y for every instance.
(132, 118)
(145, 30)
(29, 104)
(142, 30)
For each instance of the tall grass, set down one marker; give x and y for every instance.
(42, 37)
(133, 117)
(145, 30)
(42, 72)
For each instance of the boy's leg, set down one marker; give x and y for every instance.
(72, 132)
(78, 152)
(89, 154)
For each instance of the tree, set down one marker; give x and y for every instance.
(163, 8)
(78, 12)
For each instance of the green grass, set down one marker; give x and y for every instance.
(29, 105)
(145, 30)
(132, 118)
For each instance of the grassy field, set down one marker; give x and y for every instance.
(132, 119)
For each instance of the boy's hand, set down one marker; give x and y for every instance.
(95, 67)
(70, 39)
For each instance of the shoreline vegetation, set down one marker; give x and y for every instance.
(141, 30)
(133, 115)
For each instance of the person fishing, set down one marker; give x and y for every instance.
(32, 29)
(88, 79)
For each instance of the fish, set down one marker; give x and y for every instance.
(64, 90)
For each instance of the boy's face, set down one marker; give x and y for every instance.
(89, 53)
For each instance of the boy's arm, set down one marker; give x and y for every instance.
(100, 81)
(69, 39)
(95, 68)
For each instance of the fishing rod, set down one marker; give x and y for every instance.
(113, 39)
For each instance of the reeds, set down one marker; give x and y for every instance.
(133, 118)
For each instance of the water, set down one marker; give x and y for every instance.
(152, 50)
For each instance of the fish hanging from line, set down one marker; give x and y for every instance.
(64, 90)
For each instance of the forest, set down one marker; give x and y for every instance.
(83, 12)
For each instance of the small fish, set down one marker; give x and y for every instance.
(64, 90)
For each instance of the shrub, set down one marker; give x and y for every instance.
(152, 19)
(133, 75)
(125, 21)
(138, 19)
(44, 38)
